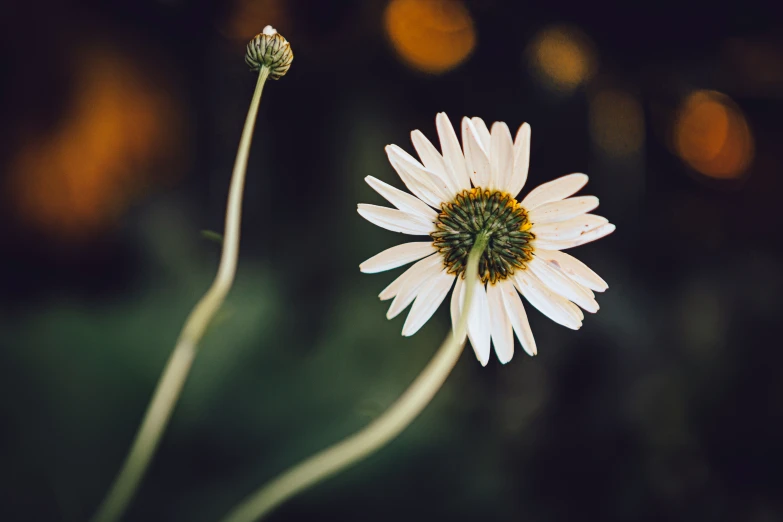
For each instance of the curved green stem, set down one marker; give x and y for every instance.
(379, 432)
(178, 366)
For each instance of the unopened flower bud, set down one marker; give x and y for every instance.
(269, 49)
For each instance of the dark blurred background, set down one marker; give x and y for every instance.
(120, 122)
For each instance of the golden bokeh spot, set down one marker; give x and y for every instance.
(562, 57)
(433, 36)
(617, 122)
(79, 177)
(712, 135)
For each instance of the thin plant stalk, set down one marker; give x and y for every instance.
(178, 366)
(378, 433)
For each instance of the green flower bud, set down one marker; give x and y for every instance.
(269, 49)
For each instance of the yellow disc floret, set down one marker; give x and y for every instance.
(494, 214)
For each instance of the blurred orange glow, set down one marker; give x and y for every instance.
(712, 135)
(430, 35)
(562, 57)
(617, 122)
(78, 177)
(755, 67)
(249, 17)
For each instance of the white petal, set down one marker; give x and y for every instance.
(502, 334)
(420, 181)
(476, 156)
(394, 288)
(433, 161)
(501, 157)
(570, 228)
(431, 295)
(587, 237)
(452, 152)
(573, 268)
(570, 307)
(395, 220)
(402, 200)
(555, 190)
(478, 323)
(521, 160)
(397, 256)
(456, 306)
(482, 131)
(563, 285)
(415, 277)
(516, 314)
(557, 308)
(563, 210)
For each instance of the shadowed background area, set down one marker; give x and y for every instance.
(119, 128)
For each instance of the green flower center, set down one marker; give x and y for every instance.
(493, 213)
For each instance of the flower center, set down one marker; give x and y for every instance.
(493, 213)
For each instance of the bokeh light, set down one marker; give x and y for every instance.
(79, 177)
(712, 135)
(248, 17)
(617, 122)
(562, 58)
(432, 36)
(755, 68)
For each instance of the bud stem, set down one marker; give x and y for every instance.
(383, 429)
(178, 366)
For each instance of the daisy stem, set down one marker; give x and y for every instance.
(178, 366)
(382, 430)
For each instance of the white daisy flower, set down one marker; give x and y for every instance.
(463, 191)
